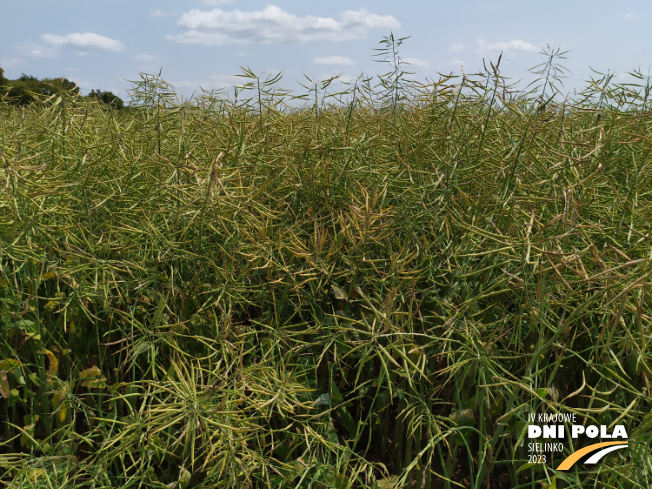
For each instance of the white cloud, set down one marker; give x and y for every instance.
(630, 16)
(334, 60)
(485, 48)
(416, 62)
(37, 51)
(84, 40)
(273, 24)
(497, 47)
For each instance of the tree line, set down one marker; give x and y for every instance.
(27, 89)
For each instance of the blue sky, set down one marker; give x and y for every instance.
(102, 44)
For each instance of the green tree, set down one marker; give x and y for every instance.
(23, 91)
(108, 98)
(28, 89)
(52, 86)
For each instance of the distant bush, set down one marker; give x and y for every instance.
(108, 98)
(28, 89)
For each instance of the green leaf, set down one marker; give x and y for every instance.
(323, 400)
(25, 325)
(335, 392)
(333, 479)
(20, 378)
(184, 477)
(339, 293)
(347, 421)
(388, 483)
(525, 467)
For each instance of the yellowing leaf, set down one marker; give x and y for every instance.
(95, 383)
(56, 400)
(47, 276)
(91, 373)
(27, 434)
(53, 362)
(27, 419)
(10, 364)
(5, 390)
(60, 408)
(61, 414)
(36, 473)
(92, 378)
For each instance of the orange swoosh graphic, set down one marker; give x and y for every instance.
(569, 461)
